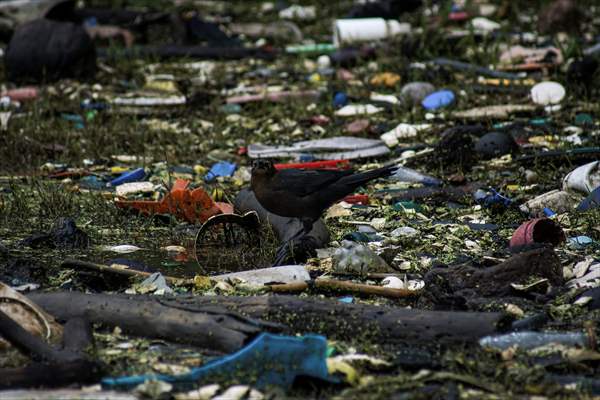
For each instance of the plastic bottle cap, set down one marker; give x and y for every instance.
(324, 61)
(397, 28)
(438, 99)
(545, 93)
(417, 91)
(484, 24)
(340, 99)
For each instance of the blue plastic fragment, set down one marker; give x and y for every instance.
(590, 202)
(346, 300)
(306, 157)
(129, 176)
(231, 108)
(92, 182)
(438, 99)
(363, 237)
(579, 242)
(490, 198)
(268, 360)
(222, 168)
(548, 212)
(76, 119)
(538, 121)
(340, 99)
(90, 21)
(90, 105)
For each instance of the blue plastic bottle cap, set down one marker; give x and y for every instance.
(340, 99)
(438, 99)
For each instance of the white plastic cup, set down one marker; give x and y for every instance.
(366, 30)
(583, 179)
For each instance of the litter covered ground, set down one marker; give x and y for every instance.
(265, 200)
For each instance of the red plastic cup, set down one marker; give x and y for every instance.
(539, 230)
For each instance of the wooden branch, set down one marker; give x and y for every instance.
(342, 286)
(125, 272)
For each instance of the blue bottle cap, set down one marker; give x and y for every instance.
(438, 99)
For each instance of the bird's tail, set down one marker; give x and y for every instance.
(360, 179)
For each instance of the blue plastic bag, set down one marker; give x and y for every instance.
(268, 360)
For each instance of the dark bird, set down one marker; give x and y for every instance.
(305, 194)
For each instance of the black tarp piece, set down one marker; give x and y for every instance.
(45, 50)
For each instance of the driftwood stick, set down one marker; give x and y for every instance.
(342, 286)
(125, 272)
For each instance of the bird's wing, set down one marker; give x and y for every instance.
(305, 182)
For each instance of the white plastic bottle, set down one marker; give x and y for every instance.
(366, 29)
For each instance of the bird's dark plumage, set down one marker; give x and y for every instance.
(305, 194)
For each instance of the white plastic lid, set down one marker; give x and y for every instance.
(398, 28)
(546, 93)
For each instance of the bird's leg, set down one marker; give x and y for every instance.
(282, 254)
(283, 251)
(286, 248)
(307, 225)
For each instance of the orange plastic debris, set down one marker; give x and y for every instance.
(191, 205)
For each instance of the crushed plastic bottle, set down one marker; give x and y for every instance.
(529, 340)
(357, 258)
(366, 29)
(404, 174)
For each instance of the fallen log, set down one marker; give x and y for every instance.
(332, 318)
(27, 343)
(497, 280)
(53, 374)
(65, 394)
(149, 317)
(61, 367)
(372, 323)
(68, 365)
(77, 336)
